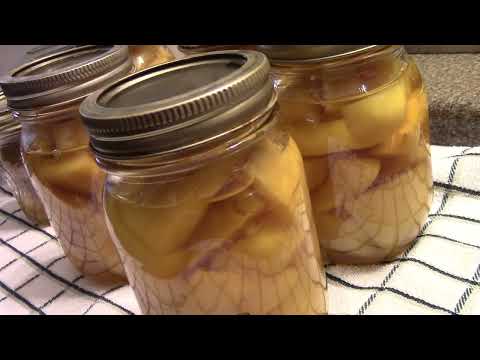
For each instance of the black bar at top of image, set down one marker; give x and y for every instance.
(278, 23)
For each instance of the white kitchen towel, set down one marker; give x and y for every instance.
(438, 274)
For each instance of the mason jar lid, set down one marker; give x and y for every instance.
(65, 75)
(313, 53)
(179, 105)
(8, 126)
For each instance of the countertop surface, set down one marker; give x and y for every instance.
(453, 83)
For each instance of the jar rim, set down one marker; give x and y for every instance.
(313, 56)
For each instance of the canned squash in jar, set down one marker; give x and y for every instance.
(206, 197)
(12, 171)
(359, 115)
(45, 96)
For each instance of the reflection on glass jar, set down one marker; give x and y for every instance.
(55, 149)
(360, 118)
(146, 56)
(210, 211)
(13, 174)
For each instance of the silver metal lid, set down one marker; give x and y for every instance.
(65, 75)
(8, 126)
(312, 53)
(178, 105)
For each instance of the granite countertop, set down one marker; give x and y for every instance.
(453, 83)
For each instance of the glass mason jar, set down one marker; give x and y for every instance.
(205, 197)
(44, 96)
(13, 174)
(145, 56)
(359, 115)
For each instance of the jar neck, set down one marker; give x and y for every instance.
(176, 163)
(343, 79)
(391, 52)
(54, 113)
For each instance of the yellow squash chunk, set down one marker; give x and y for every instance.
(204, 184)
(393, 166)
(385, 209)
(75, 172)
(238, 182)
(268, 241)
(277, 172)
(353, 176)
(316, 170)
(377, 116)
(116, 224)
(72, 200)
(328, 137)
(335, 233)
(399, 144)
(328, 227)
(210, 182)
(349, 178)
(168, 266)
(163, 230)
(326, 197)
(225, 218)
(159, 265)
(405, 141)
